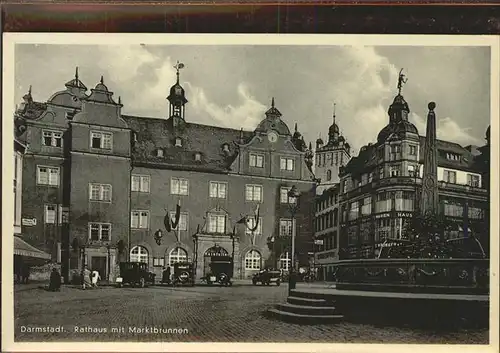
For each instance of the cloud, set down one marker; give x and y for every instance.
(247, 114)
(447, 129)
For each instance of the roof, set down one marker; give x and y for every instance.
(22, 248)
(153, 134)
(367, 157)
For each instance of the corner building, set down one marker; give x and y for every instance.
(100, 183)
(379, 188)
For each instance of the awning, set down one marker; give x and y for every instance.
(22, 248)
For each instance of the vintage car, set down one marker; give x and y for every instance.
(221, 271)
(266, 277)
(183, 274)
(135, 274)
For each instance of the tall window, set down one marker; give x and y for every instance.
(101, 140)
(179, 186)
(139, 254)
(285, 261)
(354, 210)
(395, 170)
(395, 152)
(412, 171)
(139, 220)
(286, 227)
(383, 229)
(218, 189)
(381, 172)
(404, 200)
(217, 223)
(252, 260)
(50, 214)
(253, 193)
(256, 160)
(100, 192)
(366, 209)
(251, 225)
(284, 196)
(48, 176)
(287, 163)
(52, 138)
(384, 202)
(100, 231)
(328, 175)
(473, 180)
(177, 255)
(475, 213)
(140, 183)
(413, 150)
(450, 176)
(183, 221)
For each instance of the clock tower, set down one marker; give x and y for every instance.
(177, 99)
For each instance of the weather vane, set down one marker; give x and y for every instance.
(401, 80)
(178, 66)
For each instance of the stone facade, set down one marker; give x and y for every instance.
(99, 183)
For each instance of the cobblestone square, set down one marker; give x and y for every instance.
(193, 314)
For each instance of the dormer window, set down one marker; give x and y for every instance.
(178, 142)
(197, 156)
(70, 115)
(159, 152)
(452, 156)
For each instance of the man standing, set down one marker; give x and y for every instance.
(95, 278)
(86, 278)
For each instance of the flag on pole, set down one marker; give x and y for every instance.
(166, 222)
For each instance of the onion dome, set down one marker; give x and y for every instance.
(177, 94)
(273, 121)
(401, 128)
(101, 93)
(101, 86)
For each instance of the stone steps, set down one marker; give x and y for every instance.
(306, 309)
(299, 300)
(307, 319)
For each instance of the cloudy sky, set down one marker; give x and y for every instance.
(232, 86)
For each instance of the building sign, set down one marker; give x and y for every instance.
(404, 214)
(28, 222)
(318, 241)
(216, 251)
(382, 215)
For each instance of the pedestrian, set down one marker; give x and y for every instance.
(55, 281)
(86, 281)
(95, 277)
(25, 273)
(169, 274)
(165, 275)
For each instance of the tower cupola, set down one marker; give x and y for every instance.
(177, 96)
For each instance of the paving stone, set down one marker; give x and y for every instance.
(234, 314)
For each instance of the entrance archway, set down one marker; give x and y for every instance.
(215, 253)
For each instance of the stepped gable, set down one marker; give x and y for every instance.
(157, 133)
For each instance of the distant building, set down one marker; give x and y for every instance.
(330, 157)
(379, 188)
(326, 236)
(100, 183)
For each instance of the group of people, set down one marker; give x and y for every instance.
(166, 275)
(22, 273)
(90, 278)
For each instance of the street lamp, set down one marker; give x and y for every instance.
(293, 201)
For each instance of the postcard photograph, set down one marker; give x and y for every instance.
(249, 189)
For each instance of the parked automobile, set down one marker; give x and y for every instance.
(221, 272)
(135, 274)
(266, 277)
(183, 274)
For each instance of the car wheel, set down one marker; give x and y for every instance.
(142, 282)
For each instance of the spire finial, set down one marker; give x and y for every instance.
(272, 103)
(296, 129)
(177, 67)
(310, 146)
(119, 99)
(102, 79)
(334, 109)
(76, 73)
(401, 81)
(29, 91)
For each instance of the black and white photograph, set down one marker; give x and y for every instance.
(318, 189)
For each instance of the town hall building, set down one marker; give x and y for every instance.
(101, 185)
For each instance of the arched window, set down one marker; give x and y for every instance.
(285, 261)
(139, 254)
(328, 175)
(177, 255)
(252, 260)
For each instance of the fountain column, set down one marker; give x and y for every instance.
(429, 199)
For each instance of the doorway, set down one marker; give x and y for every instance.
(214, 253)
(99, 263)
